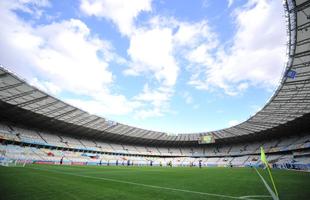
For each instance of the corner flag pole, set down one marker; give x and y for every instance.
(264, 160)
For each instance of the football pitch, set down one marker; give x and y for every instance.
(133, 183)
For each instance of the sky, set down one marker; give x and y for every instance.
(175, 66)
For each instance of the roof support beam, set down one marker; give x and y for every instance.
(238, 130)
(272, 113)
(303, 26)
(296, 89)
(249, 128)
(128, 131)
(18, 95)
(3, 74)
(303, 42)
(65, 113)
(300, 7)
(293, 82)
(91, 121)
(232, 133)
(303, 53)
(301, 65)
(54, 110)
(295, 100)
(10, 86)
(32, 101)
(76, 116)
(84, 119)
(45, 106)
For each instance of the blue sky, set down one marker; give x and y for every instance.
(169, 65)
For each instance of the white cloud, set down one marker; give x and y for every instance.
(57, 50)
(121, 12)
(72, 59)
(230, 3)
(156, 101)
(33, 7)
(154, 46)
(187, 97)
(152, 51)
(256, 57)
(70, 49)
(200, 54)
(148, 113)
(233, 123)
(107, 104)
(67, 56)
(193, 34)
(46, 86)
(156, 96)
(75, 60)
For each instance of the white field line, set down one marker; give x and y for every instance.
(256, 196)
(146, 185)
(274, 196)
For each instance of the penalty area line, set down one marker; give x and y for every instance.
(146, 185)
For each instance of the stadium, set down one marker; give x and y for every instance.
(52, 150)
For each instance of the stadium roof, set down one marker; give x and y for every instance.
(290, 103)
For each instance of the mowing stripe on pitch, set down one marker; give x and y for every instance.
(144, 185)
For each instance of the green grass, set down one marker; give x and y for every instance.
(134, 183)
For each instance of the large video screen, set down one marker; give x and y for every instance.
(207, 139)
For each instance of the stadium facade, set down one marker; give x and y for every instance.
(37, 127)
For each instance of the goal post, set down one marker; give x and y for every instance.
(20, 163)
(11, 160)
(6, 162)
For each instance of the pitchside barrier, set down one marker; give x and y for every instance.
(4, 161)
(292, 166)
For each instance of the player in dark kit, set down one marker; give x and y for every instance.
(61, 160)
